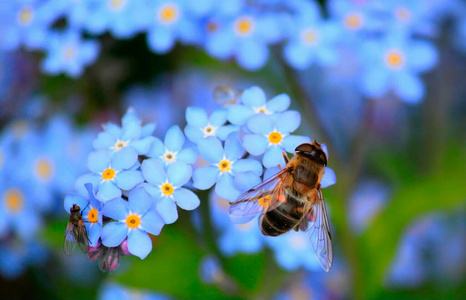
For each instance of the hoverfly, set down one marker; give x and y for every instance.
(292, 199)
(76, 232)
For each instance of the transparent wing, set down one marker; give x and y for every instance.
(319, 232)
(82, 238)
(70, 241)
(259, 199)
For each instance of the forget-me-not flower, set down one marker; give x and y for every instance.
(201, 126)
(135, 219)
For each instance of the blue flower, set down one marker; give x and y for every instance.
(91, 212)
(111, 173)
(172, 149)
(166, 187)
(135, 219)
(272, 136)
(131, 135)
(354, 17)
(395, 63)
(253, 102)
(68, 53)
(16, 255)
(225, 163)
(200, 126)
(110, 291)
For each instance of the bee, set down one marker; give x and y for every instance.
(76, 232)
(292, 199)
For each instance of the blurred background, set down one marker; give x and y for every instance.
(381, 83)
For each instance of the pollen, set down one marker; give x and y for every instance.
(43, 169)
(209, 130)
(394, 59)
(224, 165)
(119, 144)
(244, 26)
(275, 137)
(310, 36)
(168, 13)
(13, 199)
(133, 221)
(92, 215)
(167, 189)
(262, 109)
(403, 14)
(353, 21)
(108, 174)
(25, 16)
(264, 201)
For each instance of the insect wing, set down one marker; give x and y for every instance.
(259, 199)
(81, 235)
(319, 233)
(70, 240)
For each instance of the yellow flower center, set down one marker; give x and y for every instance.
(117, 4)
(167, 189)
(310, 36)
(224, 165)
(209, 130)
(394, 59)
(403, 14)
(108, 174)
(169, 157)
(353, 21)
(92, 215)
(275, 137)
(262, 109)
(13, 199)
(25, 16)
(244, 226)
(133, 221)
(264, 201)
(119, 144)
(69, 52)
(43, 168)
(168, 13)
(244, 26)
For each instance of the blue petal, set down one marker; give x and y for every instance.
(94, 179)
(113, 234)
(74, 199)
(95, 231)
(260, 124)
(187, 155)
(179, 173)
(107, 191)
(98, 161)
(255, 144)
(160, 40)
(193, 133)
(116, 209)
(252, 54)
(152, 222)
(153, 171)
(124, 158)
(126, 180)
(298, 56)
(278, 103)
(204, 177)
(273, 157)
(139, 201)
(223, 131)
(148, 129)
(409, 87)
(196, 116)
(292, 141)
(104, 140)
(129, 117)
(139, 243)
(248, 164)
(186, 199)
(421, 56)
(210, 149)
(167, 210)
(157, 148)
(233, 149)
(113, 129)
(329, 178)
(239, 114)
(272, 171)
(174, 139)
(131, 131)
(374, 82)
(288, 121)
(243, 181)
(225, 188)
(254, 97)
(218, 117)
(143, 146)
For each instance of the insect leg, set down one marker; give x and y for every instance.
(285, 157)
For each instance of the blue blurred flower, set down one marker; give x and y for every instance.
(253, 102)
(272, 136)
(16, 255)
(135, 219)
(225, 164)
(111, 291)
(172, 149)
(354, 16)
(166, 187)
(200, 126)
(68, 53)
(111, 173)
(394, 63)
(131, 135)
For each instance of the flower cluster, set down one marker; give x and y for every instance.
(390, 37)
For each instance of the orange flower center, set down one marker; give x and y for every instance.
(275, 137)
(309, 36)
(108, 174)
(264, 201)
(25, 16)
(13, 199)
(353, 21)
(403, 14)
(168, 13)
(133, 221)
(43, 169)
(224, 165)
(92, 215)
(244, 26)
(394, 59)
(167, 189)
